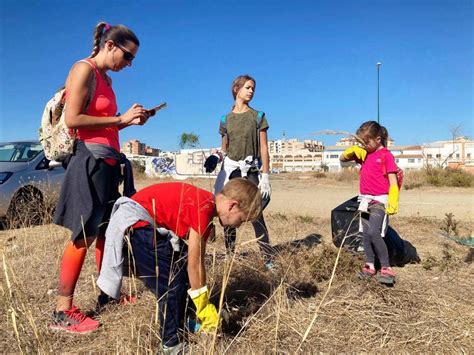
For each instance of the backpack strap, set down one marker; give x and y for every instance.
(224, 122)
(260, 115)
(223, 128)
(93, 84)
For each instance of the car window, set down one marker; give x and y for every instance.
(19, 152)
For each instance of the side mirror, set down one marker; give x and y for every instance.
(54, 164)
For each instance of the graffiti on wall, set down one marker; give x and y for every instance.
(159, 166)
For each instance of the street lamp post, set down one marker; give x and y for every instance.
(378, 91)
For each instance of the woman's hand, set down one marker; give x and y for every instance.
(135, 115)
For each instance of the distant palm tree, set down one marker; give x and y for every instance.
(190, 140)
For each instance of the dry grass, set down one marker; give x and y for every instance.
(429, 310)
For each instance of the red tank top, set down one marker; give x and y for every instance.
(103, 104)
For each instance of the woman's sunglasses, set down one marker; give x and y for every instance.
(126, 54)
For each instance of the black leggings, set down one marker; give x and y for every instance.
(230, 233)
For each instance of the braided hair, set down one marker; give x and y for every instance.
(104, 32)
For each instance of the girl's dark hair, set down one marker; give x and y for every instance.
(119, 34)
(372, 129)
(239, 82)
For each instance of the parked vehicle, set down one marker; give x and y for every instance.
(29, 184)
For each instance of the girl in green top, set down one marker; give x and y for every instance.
(245, 151)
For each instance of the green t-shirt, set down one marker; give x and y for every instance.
(242, 134)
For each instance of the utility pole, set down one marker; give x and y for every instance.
(378, 91)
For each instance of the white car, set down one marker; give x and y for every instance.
(29, 184)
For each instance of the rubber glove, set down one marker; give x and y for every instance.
(392, 206)
(205, 311)
(355, 152)
(264, 186)
(211, 162)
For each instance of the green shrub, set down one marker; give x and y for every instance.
(448, 177)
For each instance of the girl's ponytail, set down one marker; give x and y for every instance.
(383, 136)
(98, 33)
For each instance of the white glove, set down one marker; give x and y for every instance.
(264, 185)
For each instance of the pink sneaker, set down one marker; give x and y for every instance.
(387, 276)
(73, 321)
(367, 272)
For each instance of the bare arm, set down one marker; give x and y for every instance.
(224, 144)
(196, 255)
(392, 179)
(264, 151)
(77, 87)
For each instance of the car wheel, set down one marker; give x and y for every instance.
(26, 209)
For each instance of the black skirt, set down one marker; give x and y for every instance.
(89, 190)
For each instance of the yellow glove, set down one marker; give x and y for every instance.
(205, 311)
(392, 206)
(355, 152)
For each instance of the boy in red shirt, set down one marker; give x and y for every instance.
(162, 217)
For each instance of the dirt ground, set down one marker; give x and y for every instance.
(307, 196)
(428, 310)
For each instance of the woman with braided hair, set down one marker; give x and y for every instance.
(91, 184)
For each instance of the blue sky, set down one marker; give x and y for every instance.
(314, 62)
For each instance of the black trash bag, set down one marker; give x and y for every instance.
(345, 223)
(211, 163)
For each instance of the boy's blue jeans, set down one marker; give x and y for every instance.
(170, 285)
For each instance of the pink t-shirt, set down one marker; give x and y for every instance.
(103, 104)
(373, 178)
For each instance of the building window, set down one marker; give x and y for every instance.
(334, 156)
(468, 156)
(419, 160)
(457, 156)
(411, 161)
(397, 160)
(438, 156)
(429, 156)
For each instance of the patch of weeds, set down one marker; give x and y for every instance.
(304, 219)
(319, 175)
(280, 216)
(448, 260)
(450, 225)
(322, 265)
(445, 263)
(429, 262)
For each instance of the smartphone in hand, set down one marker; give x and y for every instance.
(154, 110)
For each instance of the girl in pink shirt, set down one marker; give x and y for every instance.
(378, 195)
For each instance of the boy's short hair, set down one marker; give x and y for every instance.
(247, 194)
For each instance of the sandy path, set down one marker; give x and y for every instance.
(317, 199)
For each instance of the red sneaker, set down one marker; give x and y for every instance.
(387, 276)
(73, 321)
(367, 272)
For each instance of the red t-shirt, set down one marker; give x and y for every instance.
(373, 178)
(178, 207)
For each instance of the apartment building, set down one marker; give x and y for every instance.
(455, 153)
(294, 155)
(135, 147)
